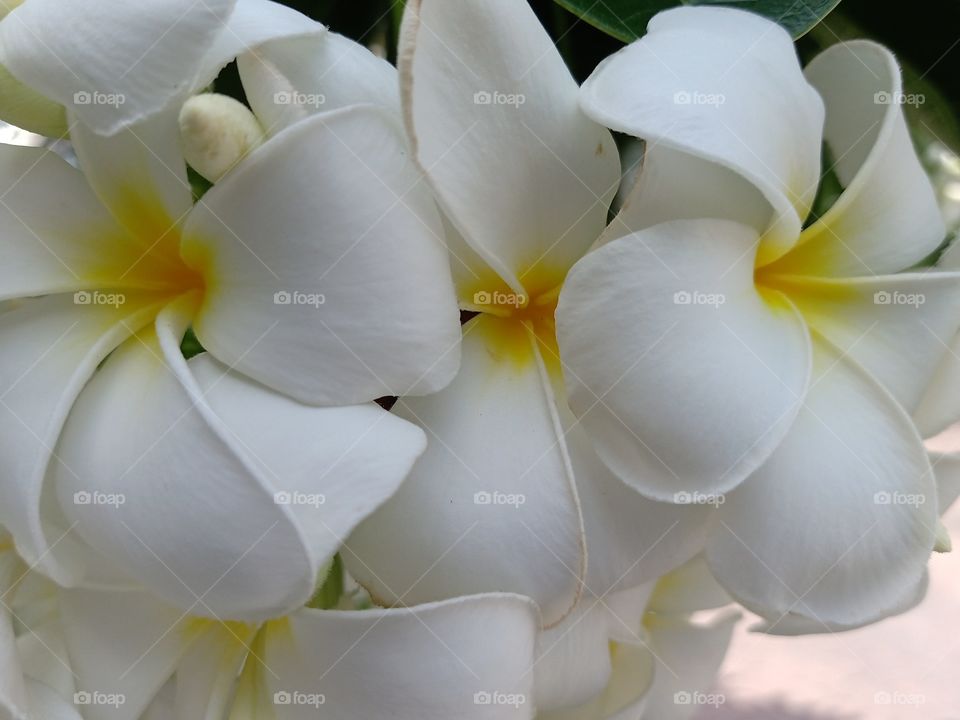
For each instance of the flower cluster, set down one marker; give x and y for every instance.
(609, 419)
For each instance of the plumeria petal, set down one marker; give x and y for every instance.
(674, 185)
(522, 173)
(793, 624)
(434, 661)
(288, 80)
(688, 589)
(25, 108)
(853, 462)
(141, 177)
(341, 293)
(887, 217)
(206, 448)
(687, 658)
(495, 482)
(724, 85)
(57, 237)
(144, 54)
(630, 538)
(123, 644)
(635, 321)
(251, 25)
(51, 347)
(573, 658)
(939, 407)
(947, 469)
(47, 704)
(896, 326)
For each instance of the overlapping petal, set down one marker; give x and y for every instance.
(493, 118)
(725, 86)
(838, 524)
(341, 293)
(896, 326)
(51, 347)
(664, 337)
(264, 519)
(57, 237)
(145, 53)
(887, 217)
(291, 79)
(494, 492)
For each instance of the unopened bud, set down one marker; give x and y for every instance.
(217, 132)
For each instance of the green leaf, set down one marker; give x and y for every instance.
(328, 595)
(190, 346)
(627, 19)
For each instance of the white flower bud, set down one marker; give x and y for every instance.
(217, 132)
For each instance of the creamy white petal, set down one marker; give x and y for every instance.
(688, 589)
(887, 218)
(491, 504)
(675, 185)
(853, 463)
(940, 405)
(145, 53)
(573, 658)
(51, 348)
(122, 644)
(289, 80)
(469, 657)
(24, 107)
(57, 237)
(724, 85)
(326, 276)
(664, 337)
(493, 118)
(140, 175)
(687, 658)
(197, 458)
(251, 25)
(896, 326)
(630, 538)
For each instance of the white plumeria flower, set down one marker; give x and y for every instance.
(35, 677)
(473, 657)
(431, 662)
(147, 56)
(637, 653)
(745, 359)
(312, 274)
(512, 496)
